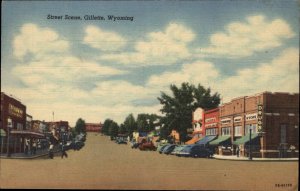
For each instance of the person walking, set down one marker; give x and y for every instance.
(50, 153)
(34, 146)
(238, 151)
(26, 146)
(63, 151)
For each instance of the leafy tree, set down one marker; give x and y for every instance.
(106, 125)
(179, 106)
(80, 126)
(130, 124)
(122, 129)
(113, 129)
(146, 122)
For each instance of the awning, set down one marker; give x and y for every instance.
(206, 139)
(221, 140)
(192, 141)
(245, 139)
(27, 134)
(2, 133)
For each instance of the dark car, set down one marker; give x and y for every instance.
(147, 146)
(161, 148)
(78, 144)
(195, 151)
(168, 149)
(121, 141)
(135, 145)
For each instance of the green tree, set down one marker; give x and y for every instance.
(130, 124)
(113, 129)
(122, 129)
(178, 107)
(106, 125)
(146, 122)
(80, 126)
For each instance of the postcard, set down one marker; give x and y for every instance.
(150, 95)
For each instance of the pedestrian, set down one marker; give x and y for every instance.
(34, 146)
(26, 146)
(238, 151)
(63, 151)
(51, 151)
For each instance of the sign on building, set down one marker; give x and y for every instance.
(259, 118)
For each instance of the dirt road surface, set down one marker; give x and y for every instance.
(103, 164)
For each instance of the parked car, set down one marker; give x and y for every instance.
(147, 146)
(195, 150)
(78, 145)
(177, 149)
(168, 149)
(135, 145)
(121, 141)
(161, 148)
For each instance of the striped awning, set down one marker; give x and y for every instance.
(27, 133)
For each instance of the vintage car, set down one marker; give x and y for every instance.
(147, 146)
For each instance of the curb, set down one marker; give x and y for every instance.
(28, 157)
(259, 159)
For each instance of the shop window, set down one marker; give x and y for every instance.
(250, 126)
(225, 131)
(238, 131)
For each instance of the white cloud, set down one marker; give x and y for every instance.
(160, 48)
(281, 74)
(244, 39)
(103, 40)
(197, 72)
(36, 40)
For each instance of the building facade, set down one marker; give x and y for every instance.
(211, 122)
(93, 127)
(272, 119)
(15, 125)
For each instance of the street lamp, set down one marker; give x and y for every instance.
(250, 152)
(9, 126)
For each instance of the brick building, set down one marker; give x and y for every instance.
(273, 119)
(93, 127)
(14, 126)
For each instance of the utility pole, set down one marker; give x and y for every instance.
(250, 143)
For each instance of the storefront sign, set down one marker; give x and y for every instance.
(237, 119)
(209, 120)
(259, 118)
(15, 111)
(211, 125)
(225, 120)
(251, 116)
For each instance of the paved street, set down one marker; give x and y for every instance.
(102, 164)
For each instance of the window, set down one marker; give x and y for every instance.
(238, 131)
(225, 131)
(250, 126)
(212, 131)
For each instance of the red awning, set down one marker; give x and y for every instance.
(27, 133)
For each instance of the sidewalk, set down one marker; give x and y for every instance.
(234, 157)
(38, 154)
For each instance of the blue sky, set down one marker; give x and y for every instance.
(108, 69)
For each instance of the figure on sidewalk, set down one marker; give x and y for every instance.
(34, 145)
(238, 151)
(51, 150)
(26, 146)
(63, 151)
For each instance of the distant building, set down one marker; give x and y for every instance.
(93, 127)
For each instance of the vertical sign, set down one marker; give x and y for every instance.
(259, 118)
